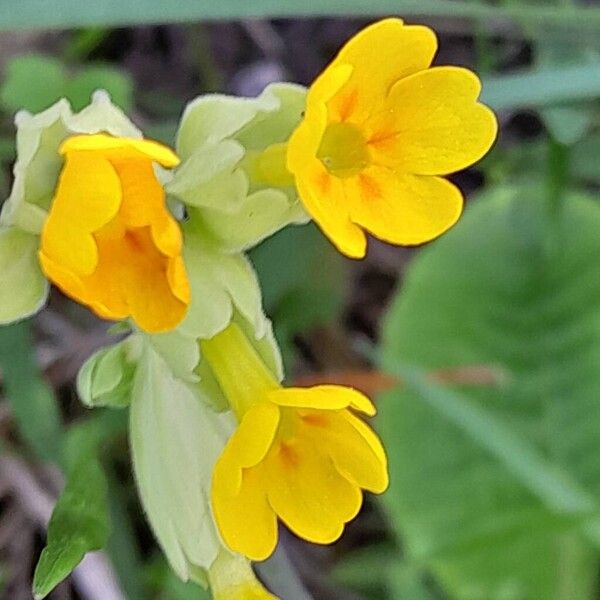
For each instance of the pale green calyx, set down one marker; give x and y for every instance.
(39, 162)
(233, 178)
(23, 287)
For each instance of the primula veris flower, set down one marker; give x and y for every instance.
(109, 241)
(300, 454)
(380, 129)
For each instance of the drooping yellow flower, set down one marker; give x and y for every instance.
(109, 241)
(299, 454)
(380, 129)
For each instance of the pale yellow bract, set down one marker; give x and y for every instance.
(299, 454)
(109, 241)
(380, 129)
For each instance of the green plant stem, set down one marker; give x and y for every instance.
(558, 175)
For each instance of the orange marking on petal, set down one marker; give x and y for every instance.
(369, 186)
(288, 455)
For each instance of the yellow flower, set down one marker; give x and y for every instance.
(109, 241)
(380, 128)
(300, 454)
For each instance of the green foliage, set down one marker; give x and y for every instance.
(302, 278)
(80, 522)
(34, 82)
(31, 400)
(72, 13)
(493, 487)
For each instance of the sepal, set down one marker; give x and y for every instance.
(23, 287)
(106, 378)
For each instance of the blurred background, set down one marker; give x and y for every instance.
(481, 349)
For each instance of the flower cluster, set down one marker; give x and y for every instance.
(221, 451)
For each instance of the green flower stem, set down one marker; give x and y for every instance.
(240, 371)
(558, 174)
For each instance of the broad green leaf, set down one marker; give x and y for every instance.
(30, 14)
(32, 402)
(32, 83)
(23, 287)
(517, 288)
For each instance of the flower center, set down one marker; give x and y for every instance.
(343, 150)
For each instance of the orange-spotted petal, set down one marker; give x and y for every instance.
(402, 208)
(380, 55)
(431, 123)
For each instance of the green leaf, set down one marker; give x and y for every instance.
(79, 524)
(30, 14)
(492, 487)
(80, 521)
(32, 83)
(32, 402)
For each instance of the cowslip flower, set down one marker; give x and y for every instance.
(87, 212)
(380, 130)
(300, 454)
(109, 241)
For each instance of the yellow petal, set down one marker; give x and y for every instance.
(144, 204)
(324, 198)
(324, 397)
(402, 209)
(254, 436)
(120, 147)
(354, 448)
(308, 493)
(431, 123)
(131, 278)
(380, 55)
(245, 520)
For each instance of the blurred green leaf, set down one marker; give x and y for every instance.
(366, 570)
(302, 278)
(543, 87)
(93, 77)
(29, 14)
(490, 486)
(80, 521)
(36, 81)
(32, 83)
(555, 48)
(32, 402)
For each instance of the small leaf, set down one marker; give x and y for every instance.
(79, 524)
(80, 521)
